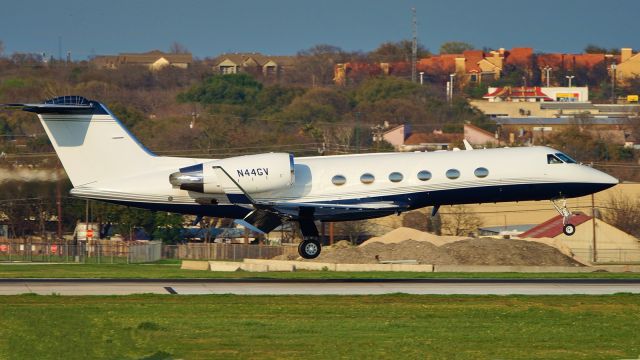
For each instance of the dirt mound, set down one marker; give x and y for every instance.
(422, 251)
(404, 233)
(490, 251)
(426, 248)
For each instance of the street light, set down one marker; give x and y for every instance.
(451, 76)
(547, 70)
(570, 77)
(421, 77)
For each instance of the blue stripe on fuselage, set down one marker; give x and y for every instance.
(486, 194)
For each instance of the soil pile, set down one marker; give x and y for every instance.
(490, 251)
(426, 248)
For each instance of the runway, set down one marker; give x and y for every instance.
(319, 287)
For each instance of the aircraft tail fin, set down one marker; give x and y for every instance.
(90, 141)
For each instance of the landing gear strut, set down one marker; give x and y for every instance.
(310, 246)
(567, 228)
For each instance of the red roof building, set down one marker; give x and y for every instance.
(521, 93)
(553, 227)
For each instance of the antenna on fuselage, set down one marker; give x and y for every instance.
(467, 145)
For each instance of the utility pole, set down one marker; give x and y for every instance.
(357, 133)
(613, 83)
(414, 46)
(593, 229)
(59, 204)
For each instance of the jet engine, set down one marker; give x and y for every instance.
(254, 173)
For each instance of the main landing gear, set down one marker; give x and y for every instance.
(567, 228)
(310, 246)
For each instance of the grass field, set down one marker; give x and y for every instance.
(319, 327)
(172, 270)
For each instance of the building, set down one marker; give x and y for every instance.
(612, 244)
(255, 63)
(403, 139)
(537, 94)
(154, 60)
(629, 66)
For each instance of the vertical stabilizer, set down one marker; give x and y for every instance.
(89, 140)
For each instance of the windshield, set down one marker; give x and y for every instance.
(566, 158)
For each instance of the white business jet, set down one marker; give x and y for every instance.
(106, 162)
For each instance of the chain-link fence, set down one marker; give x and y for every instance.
(231, 252)
(611, 256)
(93, 252)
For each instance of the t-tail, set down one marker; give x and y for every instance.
(90, 141)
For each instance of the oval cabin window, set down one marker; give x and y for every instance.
(395, 177)
(367, 178)
(424, 175)
(453, 174)
(339, 180)
(481, 172)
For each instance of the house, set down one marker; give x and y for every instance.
(396, 135)
(629, 66)
(154, 60)
(612, 244)
(479, 137)
(255, 63)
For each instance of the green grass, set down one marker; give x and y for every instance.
(319, 327)
(171, 270)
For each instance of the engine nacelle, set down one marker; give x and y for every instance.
(254, 173)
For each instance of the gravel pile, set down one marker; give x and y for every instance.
(425, 248)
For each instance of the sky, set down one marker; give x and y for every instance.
(283, 27)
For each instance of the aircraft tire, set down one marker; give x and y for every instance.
(569, 229)
(309, 249)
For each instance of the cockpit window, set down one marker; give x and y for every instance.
(552, 159)
(566, 158)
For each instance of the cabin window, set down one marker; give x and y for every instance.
(395, 177)
(453, 174)
(339, 180)
(424, 175)
(566, 158)
(552, 159)
(481, 172)
(367, 178)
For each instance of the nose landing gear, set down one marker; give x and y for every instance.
(567, 228)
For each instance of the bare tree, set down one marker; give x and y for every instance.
(1, 48)
(624, 213)
(178, 48)
(460, 221)
(352, 229)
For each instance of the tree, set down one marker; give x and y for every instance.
(1, 48)
(178, 48)
(460, 221)
(232, 89)
(624, 213)
(595, 49)
(455, 47)
(397, 51)
(314, 66)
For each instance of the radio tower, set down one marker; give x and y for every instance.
(414, 47)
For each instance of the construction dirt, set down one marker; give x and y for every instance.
(425, 248)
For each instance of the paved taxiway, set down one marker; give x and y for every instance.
(318, 287)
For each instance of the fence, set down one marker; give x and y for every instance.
(612, 256)
(232, 252)
(102, 252)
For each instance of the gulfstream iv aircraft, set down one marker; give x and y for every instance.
(106, 162)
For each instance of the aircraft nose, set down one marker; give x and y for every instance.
(605, 179)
